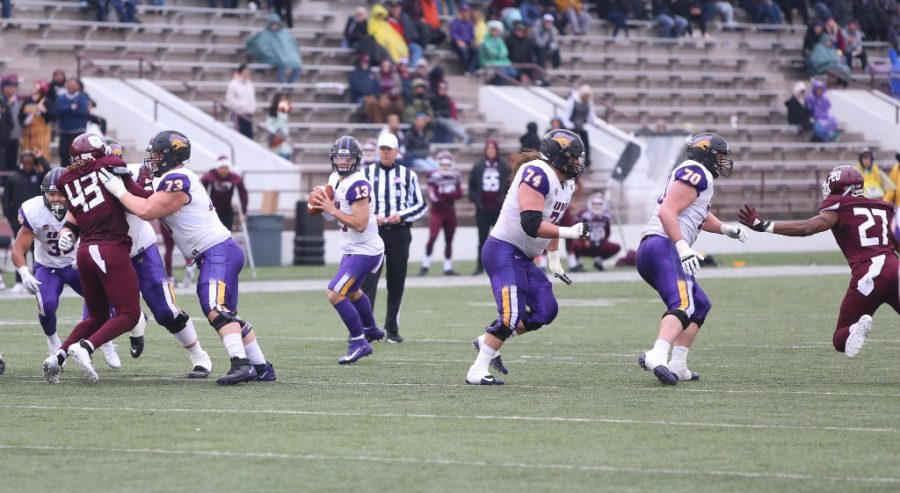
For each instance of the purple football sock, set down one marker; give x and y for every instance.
(350, 317)
(364, 308)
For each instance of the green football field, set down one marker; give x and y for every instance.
(776, 409)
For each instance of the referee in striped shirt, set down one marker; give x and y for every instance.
(398, 203)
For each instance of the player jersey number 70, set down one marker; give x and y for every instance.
(85, 192)
(870, 215)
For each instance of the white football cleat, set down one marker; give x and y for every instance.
(478, 377)
(112, 358)
(80, 355)
(683, 373)
(858, 333)
(52, 369)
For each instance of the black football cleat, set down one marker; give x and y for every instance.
(137, 346)
(496, 361)
(371, 334)
(241, 371)
(198, 372)
(265, 372)
(662, 372)
(2, 367)
(487, 380)
(394, 339)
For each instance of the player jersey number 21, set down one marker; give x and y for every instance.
(85, 192)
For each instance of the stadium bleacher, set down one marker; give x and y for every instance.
(734, 83)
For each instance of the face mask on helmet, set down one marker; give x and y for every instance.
(55, 202)
(344, 163)
(154, 163)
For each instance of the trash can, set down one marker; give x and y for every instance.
(309, 239)
(264, 231)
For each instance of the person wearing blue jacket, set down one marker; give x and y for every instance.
(72, 116)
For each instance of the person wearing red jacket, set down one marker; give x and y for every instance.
(220, 184)
(444, 188)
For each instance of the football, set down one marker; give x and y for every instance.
(318, 194)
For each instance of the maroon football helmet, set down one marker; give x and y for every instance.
(88, 147)
(843, 180)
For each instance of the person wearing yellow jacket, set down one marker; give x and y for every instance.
(876, 184)
(385, 35)
(892, 196)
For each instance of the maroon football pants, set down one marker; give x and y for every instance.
(856, 304)
(108, 281)
(437, 221)
(604, 250)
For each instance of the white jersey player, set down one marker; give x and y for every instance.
(180, 201)
(361, 245)
(667, 262)
(538, 196)
(42, 218)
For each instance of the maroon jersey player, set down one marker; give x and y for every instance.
(861, 228)
(444, 189)
(107, 277)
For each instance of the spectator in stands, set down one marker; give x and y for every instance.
(220, 183)
(811, 38)
(893, 196)
(480, 25)
(365, 90)
(671, 25)
(9, 88)
(556, 123)
(240, 98)
(853, 45)
(6, 14)
(406, 78)
(494, 55)
(418, 145)
(488, 183)
(762, 11)
(393, 127)
(798, 113)
(462, 40)
(422, 71)
(446, 117)
(408, 28)
(522, 50)
(576, 16)
(722, 9)
(691, 11)
(391, 99)
(57, 82)
(787, 8)
(546, 40)
(96, 123)
(284, 10)
(832, 29)
(277, 126)
(580, 112)
(72, 116)
(531, 12)
(431, 23)
(125, 10)
(825, 128)
(419, 103)
(356, 28)
(370, 153)
(276, 46)
(386, 36)
(24, 184)
(876, 183)
(615, 12)
(530, 140)
(597, 245)
(876, 17)
(35, 117)
(824, 58)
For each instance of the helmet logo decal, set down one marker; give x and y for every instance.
(95, 140)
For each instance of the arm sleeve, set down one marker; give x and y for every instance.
(417, 206)
(136, 190)
(242, 193)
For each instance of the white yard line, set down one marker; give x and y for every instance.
(539, 419)
(790, 476)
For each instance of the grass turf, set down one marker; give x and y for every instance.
(776, 409)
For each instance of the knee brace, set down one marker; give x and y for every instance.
(532, 326)
(498, 330)
(223, 318)
(681, 316)
(246, 327)
(698, 321)
(179, 323)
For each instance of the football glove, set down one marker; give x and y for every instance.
(29, 281)
(748, 217)
(66, 241)
(112, 183)
(735, 232)
(556, 266)
(580, 231)
(690, 260)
